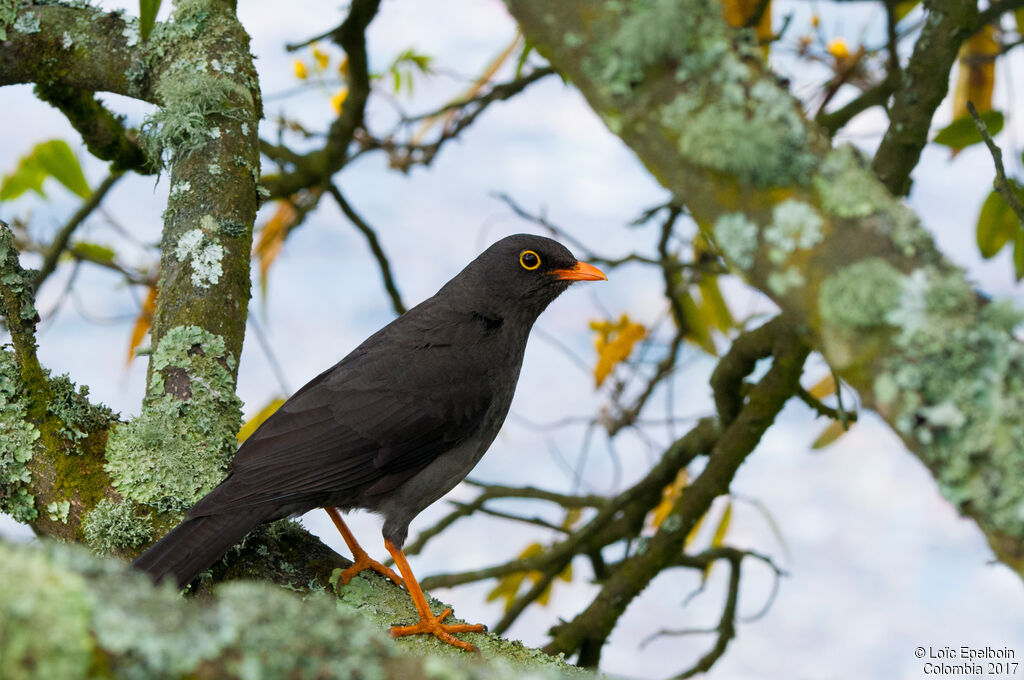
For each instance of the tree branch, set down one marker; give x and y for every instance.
(925, 83)
(1001, 183)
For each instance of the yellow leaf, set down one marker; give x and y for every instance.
(719, 536)
(321, 58)
(713, 306)
(738, 12)
(300, 69)
(338, 100)
(815, 20)
(823, 388)
(343, 67)
(253, 423)
(696, 326)
(272, 236)
(572, 516)
(142, 322)
(614, 344)
(668, 498)
(831, 433)
(976, 72)
(723, 526)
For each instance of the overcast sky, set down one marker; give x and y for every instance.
(878, 562)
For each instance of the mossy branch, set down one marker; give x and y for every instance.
(814, 229)
(102, 619)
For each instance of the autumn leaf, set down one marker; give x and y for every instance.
(668, 498)
(509, 586)
(614, 344)
(272, 236)
(976, 73)
(738, 13)
(142, 322)
(823, 388)
(300, 69)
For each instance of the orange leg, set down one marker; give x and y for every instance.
(428, 622)
(360, 560)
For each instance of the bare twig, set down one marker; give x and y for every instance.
(60, 241)
(1002, 185)
(378, 252)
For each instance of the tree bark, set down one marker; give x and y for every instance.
(813, 228)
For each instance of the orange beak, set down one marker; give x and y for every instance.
(581, 272)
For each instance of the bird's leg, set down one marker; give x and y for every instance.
(428, 622)
(360, 560)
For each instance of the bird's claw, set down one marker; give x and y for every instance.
(442, 631)
(363, 562)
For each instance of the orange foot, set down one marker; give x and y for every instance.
(364, 561)
(442, 631)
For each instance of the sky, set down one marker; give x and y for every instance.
(877, 562)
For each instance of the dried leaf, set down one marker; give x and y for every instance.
(272, 237)
(669, 495)
(614, 344)
(976, 73)
(142, 322)
(823, 388)
(831, 433)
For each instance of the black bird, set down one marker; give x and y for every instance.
(390, 428)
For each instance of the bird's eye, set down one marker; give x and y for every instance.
(529, 259)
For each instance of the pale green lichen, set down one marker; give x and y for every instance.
(178, 448)
(783, 281)
(956, 384)
(188, 99)
(847, 187)
(114, 526)
(44, 618)
(727, 117)
(736, 236)
(100, 610)
(203, 253)
(77, 415)
(861, 295)
(795, 226)
(27, 22)
(58, 511)
(17, 445)
(8, 13)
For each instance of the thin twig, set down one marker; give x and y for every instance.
(378, 252)
(1002, 185)
(60, 241)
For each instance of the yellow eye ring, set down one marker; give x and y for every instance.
(529, 260)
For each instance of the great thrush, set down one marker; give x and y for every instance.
(393, 426)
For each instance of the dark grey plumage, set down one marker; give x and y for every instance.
(394, 425)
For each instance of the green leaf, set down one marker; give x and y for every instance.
(997, 224)
(521, 62)
(94, 252)
(904, 8)
(1018, 255)
(147, 16)
(963, 132)
(48, 159)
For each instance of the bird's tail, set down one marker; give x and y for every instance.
(195, 544)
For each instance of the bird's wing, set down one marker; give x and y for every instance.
(373, 419)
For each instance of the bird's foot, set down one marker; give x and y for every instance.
(442, 631)
(362, 561)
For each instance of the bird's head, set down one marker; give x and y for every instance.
(523, 273)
